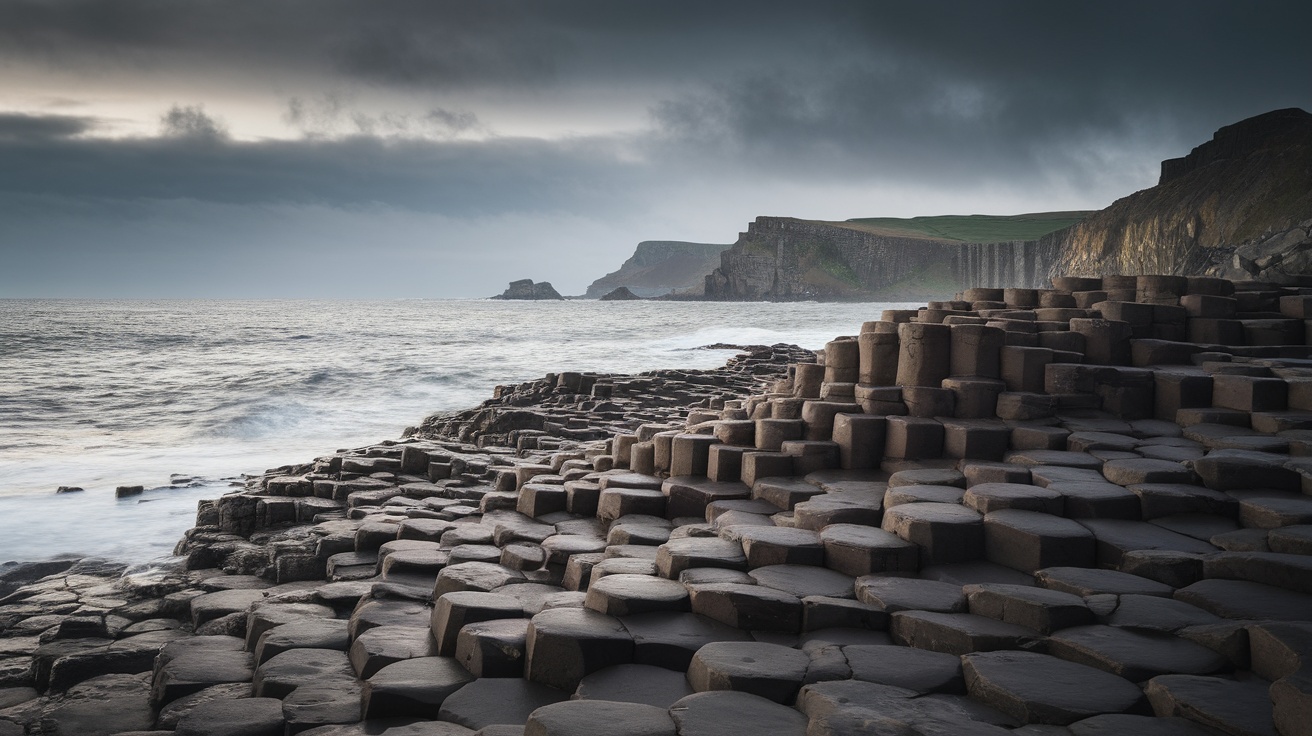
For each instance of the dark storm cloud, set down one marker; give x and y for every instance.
(932, 91)
(1050, 101)
(195, 160)
(22, 128)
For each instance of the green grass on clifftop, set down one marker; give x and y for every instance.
(970, 228)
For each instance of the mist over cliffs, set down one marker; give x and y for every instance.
(660, 267)
(1238, 206)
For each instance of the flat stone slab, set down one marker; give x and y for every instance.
(567, 644)
(1229, 706)
(454, 610)
(371, 613)
(384, 645)
(944, 532)
(1289, 571)
(1168, 499)
(483, 576)
(1241, 599)
(493, 648)
(282, 674)
(776, 545)
(1039, 609)
(839, 508)
(1134, 655)
(670, 639)
(635, 683)
(1097, 499)
(957, 633)
(771, 671)
(1154, 613)
(599, 718)
(187, 666)
(1062, 458)
(803, 581)
(1272, 512)
(922, 494)
(987, 497)
(785, 493)
(920, 670)
(843, 707)
(209, 606)
(1116, 537)
(1037, 688)
(413, 687)
(311, 634)
(749, 607)
(247, 716)
(1085, 582)
(1128, 725)
(678, 555)
(489, 701)
(857, 550)
(1029, 540)
(623, 595)
(730, 713)
(892, 594)
(1130, 471)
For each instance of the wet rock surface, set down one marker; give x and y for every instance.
(791, 544)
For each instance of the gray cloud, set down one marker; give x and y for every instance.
(21, 128)
(755, 107)
(191, 121)
(196, 161)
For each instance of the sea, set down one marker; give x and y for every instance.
(184, 397)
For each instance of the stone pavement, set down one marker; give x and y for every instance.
(1083, 510)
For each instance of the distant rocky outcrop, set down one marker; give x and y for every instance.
(786, 259)
(621, 294)
(1238, 206)
(525, 289)
(661, 267)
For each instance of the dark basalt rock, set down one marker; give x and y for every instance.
(526, 289)
(619, 295)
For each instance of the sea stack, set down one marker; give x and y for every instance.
(527, 290)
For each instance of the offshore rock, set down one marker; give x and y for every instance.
(621, 294)
(527, 290)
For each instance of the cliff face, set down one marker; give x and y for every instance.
(659, 267)
(784, 259)
(1238, 206)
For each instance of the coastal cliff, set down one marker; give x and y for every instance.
(1238, 206)
(661, 267)
(785, 259)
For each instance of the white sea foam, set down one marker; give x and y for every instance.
(98, 394)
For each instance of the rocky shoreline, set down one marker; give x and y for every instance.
(1078, 510)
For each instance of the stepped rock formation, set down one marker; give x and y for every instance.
(661, 267)
(1072, 511)
(525, 289)
(1238, 206)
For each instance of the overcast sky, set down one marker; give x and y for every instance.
(321, 148)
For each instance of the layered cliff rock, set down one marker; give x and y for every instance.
(1238, 206)
(660, 267)
(783, 259)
